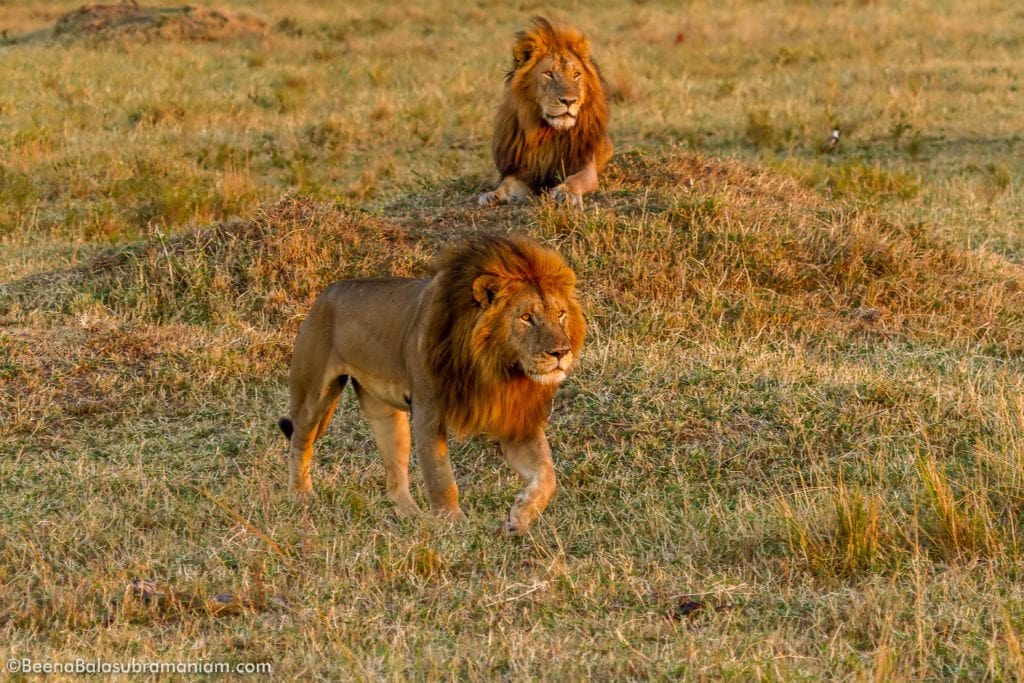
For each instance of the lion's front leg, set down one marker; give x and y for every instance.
(573, 188)
(511, 190)
(432, 449)
(531, 459)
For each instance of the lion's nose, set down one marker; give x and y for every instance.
(559, 353)
(568, 101)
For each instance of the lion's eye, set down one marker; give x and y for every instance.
(526, 318)
(561, 316)
(576, 76)
(548, 74)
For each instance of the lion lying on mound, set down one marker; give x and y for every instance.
(480, 348)
(551, 129)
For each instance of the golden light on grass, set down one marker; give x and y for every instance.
(799, 406)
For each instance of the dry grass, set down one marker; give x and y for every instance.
(793, 449)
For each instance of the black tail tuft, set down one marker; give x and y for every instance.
(286, 426)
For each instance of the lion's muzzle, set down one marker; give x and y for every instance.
(563, 120)
(553, 367)
(561, 110)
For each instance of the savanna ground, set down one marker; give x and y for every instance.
(794, 445)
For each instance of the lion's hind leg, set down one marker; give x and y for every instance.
(311, 412)
(331, 399)
(391, 432)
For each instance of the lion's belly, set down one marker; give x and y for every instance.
(395, 394)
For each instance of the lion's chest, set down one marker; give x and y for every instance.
(547, 158)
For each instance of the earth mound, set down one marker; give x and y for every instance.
(187, 22)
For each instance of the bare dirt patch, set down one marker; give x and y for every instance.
(188, 22)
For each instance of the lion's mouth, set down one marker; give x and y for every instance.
(549, 373)
(556, 376)
(562, 121)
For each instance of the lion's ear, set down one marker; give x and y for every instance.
(522, 50)
(485, 289)
(582, 48)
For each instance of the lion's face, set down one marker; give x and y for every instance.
(559, 89)
(529, 331)
(552, 74)
(538, 336)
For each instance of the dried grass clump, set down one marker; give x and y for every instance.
(264, 271)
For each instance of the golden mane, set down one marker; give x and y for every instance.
(524, 145)
(480, 389)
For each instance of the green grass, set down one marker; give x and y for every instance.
(799, 403)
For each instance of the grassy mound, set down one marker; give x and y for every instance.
(736, 247)
(172, 23)
(258, 272)
(690, 246)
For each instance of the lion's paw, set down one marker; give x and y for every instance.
(562, 194)
(304, 496)
(405, 506)
(518, 522)
(455, 515)
(491, 199)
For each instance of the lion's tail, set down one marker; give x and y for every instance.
(285, 423)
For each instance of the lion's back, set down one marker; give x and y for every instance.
(370, 317)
